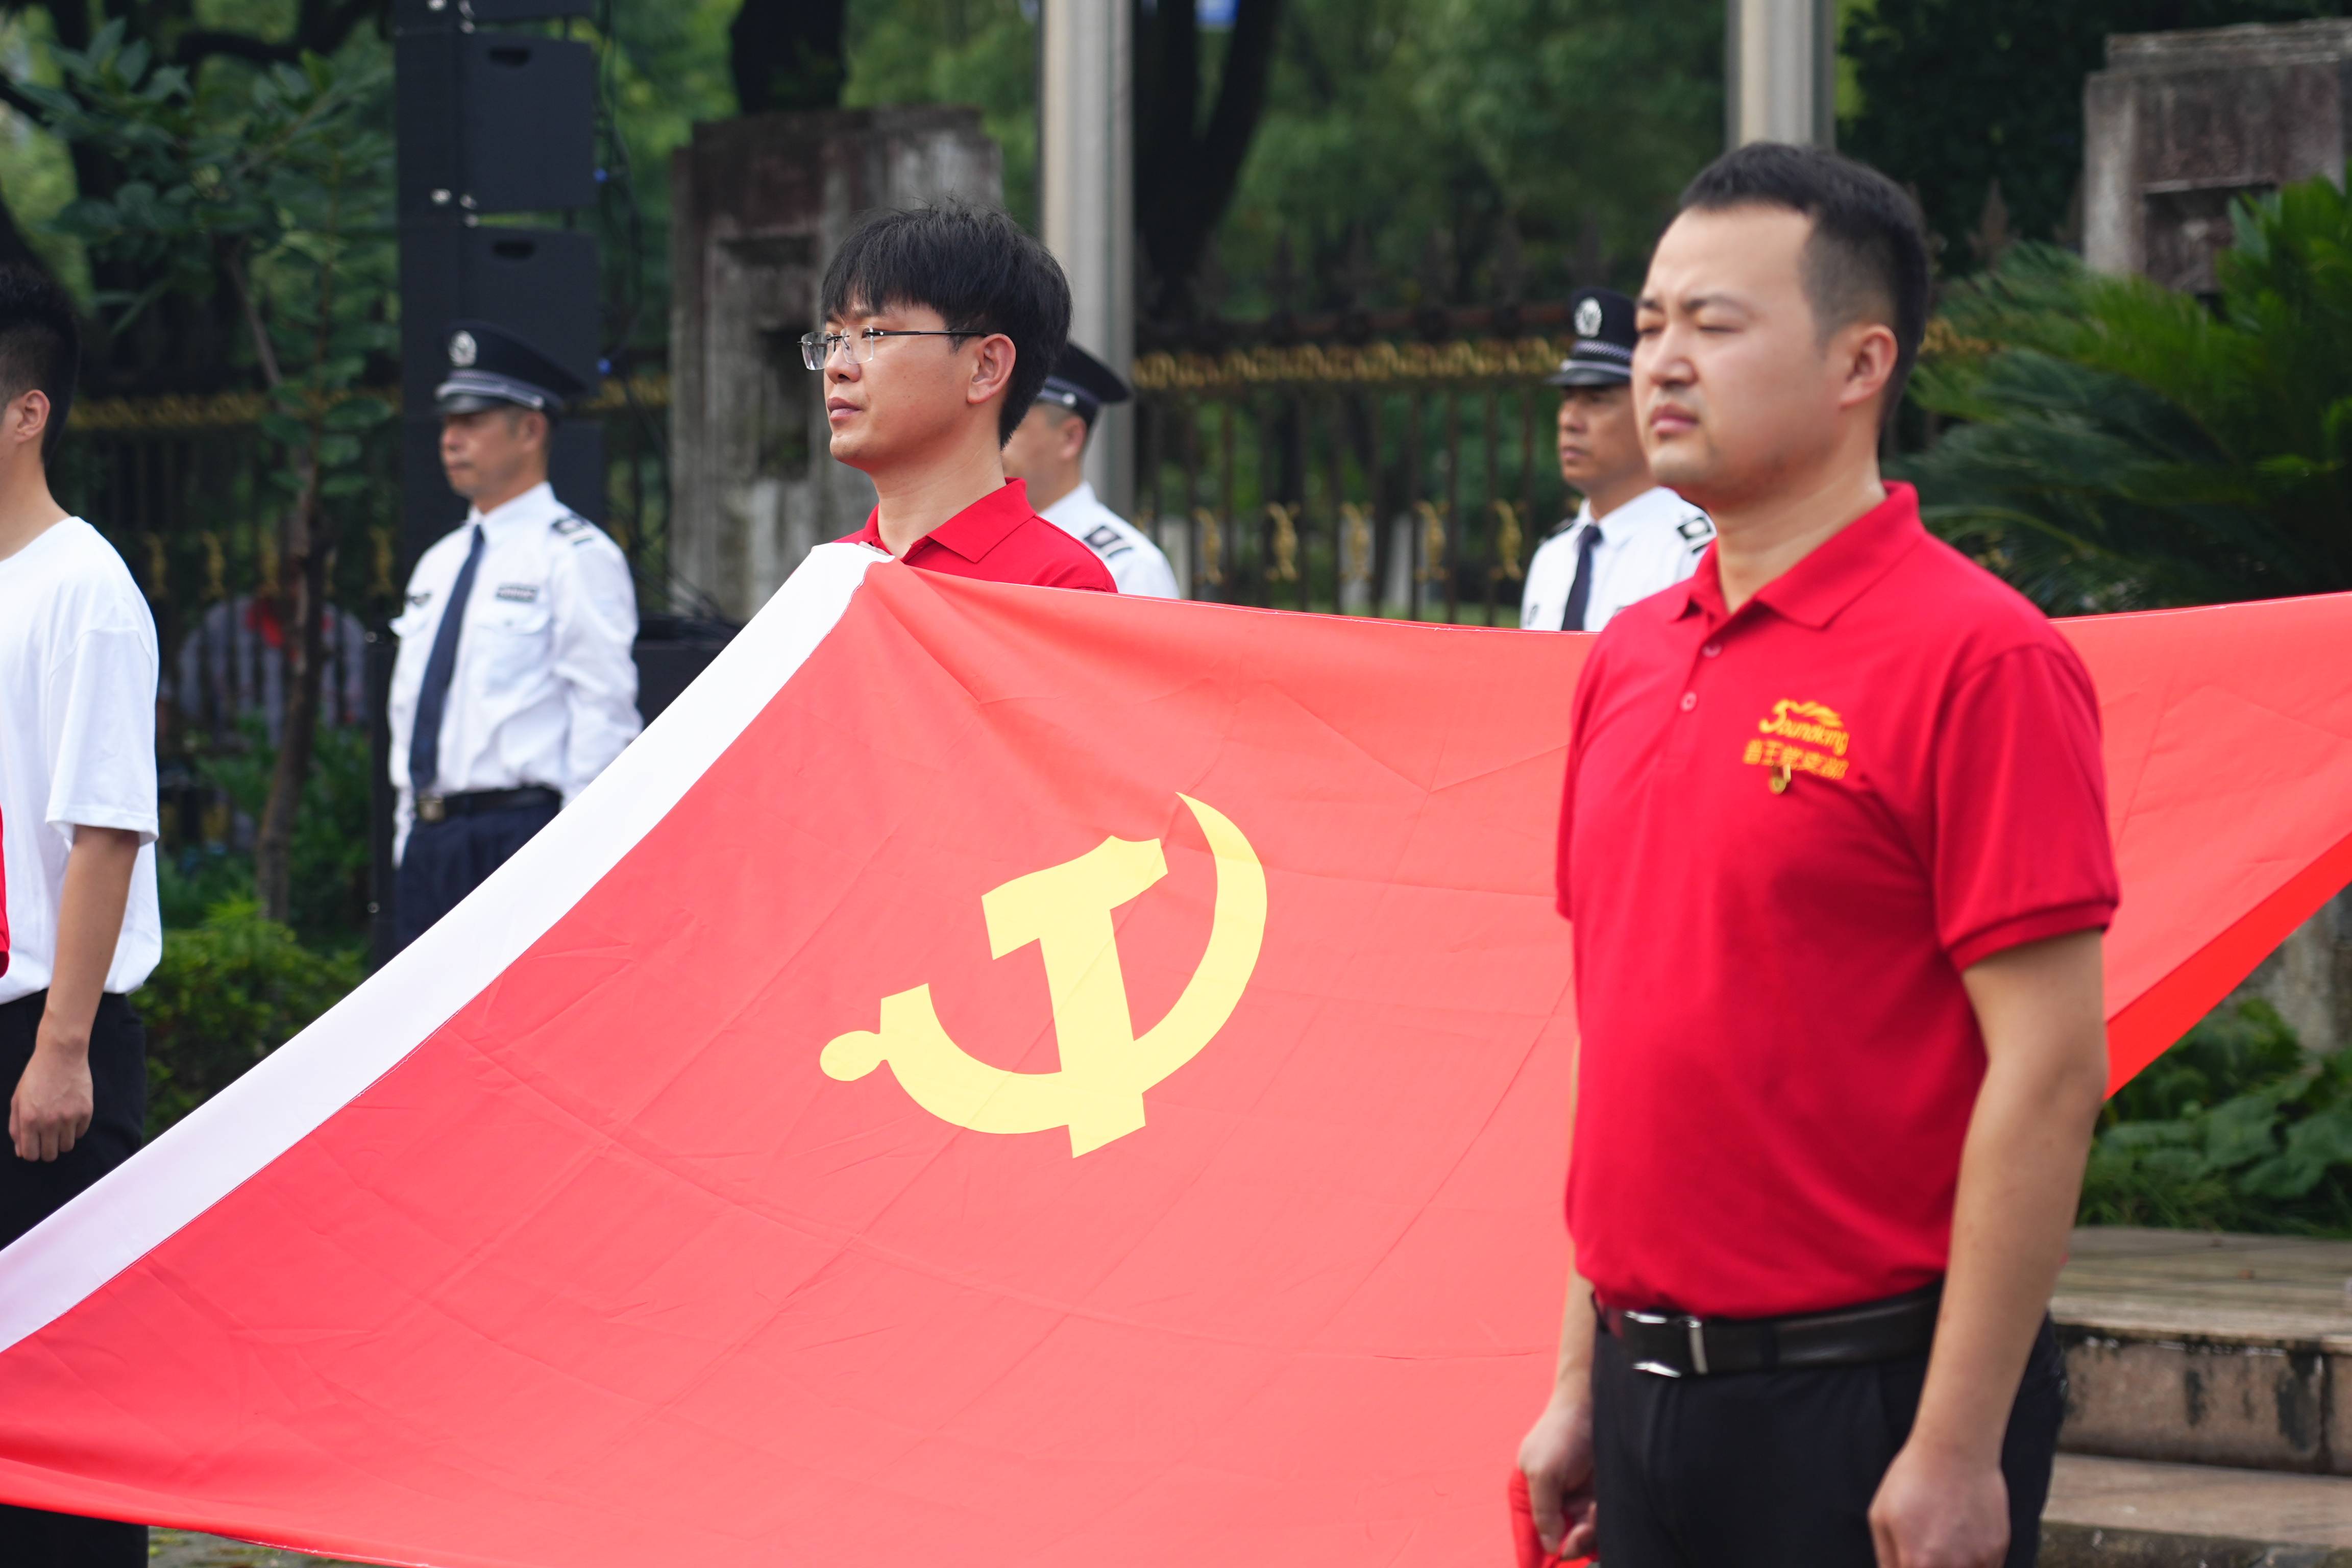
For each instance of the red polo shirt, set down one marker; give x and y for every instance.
(1779, 1059)
(999, 539)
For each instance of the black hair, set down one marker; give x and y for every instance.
(1867, 255)
(978, 268)
(40, 346)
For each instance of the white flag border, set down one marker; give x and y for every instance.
(237, 1133)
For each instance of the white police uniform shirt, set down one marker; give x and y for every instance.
(1136, 563)
(545, 689)
(1647, 545)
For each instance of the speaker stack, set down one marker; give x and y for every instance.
(492, 124)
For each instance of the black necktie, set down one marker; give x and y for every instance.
(1580, 593)
(433, 700)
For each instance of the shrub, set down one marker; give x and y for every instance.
(226, 994)
(2231, 1130)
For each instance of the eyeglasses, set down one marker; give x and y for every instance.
(817, 349)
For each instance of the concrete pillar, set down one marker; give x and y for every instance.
(1781, 72)
(2181, 125)
(758, 207)
(1085, 158)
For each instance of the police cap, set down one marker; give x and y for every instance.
(1603, 355)
(1083, 383)
(490, 367)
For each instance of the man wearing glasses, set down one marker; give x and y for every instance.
(940, 326)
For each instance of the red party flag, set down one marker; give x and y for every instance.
(993, 1075)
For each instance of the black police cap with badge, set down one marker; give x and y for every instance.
(490, 367)
(1603, 354)
(1083, 384)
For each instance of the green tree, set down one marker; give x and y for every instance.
(277, 180)
(1957, 95)
(2123, 445)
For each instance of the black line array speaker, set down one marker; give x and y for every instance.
(539, 282)
(493, 122)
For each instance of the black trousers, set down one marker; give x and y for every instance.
(1777, 1469)
(32, 1190)
(446, 860)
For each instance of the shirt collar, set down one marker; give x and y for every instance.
(1834, 576)
(972, 532)
(535, 505)
(1078, 503)
(1656, 504)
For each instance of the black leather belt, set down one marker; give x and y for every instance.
(1671, 1344)
(438, 807)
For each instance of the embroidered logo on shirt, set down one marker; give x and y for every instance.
(519, 592)
(1804, 738)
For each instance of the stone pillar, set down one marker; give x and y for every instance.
(1781, 72)
(2181, 124)
(1086, 162)
(758, 205)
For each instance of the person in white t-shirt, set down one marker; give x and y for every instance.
(1048, 451)
(77, 670)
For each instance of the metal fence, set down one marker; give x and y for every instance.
(184, 487)
(1409, 479)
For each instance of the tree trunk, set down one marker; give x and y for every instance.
(309, 552)
(787, 54)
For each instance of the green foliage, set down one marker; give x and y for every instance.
(226, 995)
(331, 839)
(981, 52)
(2231, 1129)
(1386, 119)
(2127, 447)
(1959, 93)
(2231, 1051)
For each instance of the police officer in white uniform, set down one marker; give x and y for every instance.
(1630, 538)
(515, 684)
(1048, 450)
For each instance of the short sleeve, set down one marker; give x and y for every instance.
(2022, 851)
(101, 720)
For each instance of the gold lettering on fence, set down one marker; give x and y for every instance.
(1211, 570)
(1286, 541)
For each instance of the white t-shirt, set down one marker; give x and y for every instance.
(77, 664)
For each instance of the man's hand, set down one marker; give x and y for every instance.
(52, 1106)
(1556, 1457)
(1941, 1510)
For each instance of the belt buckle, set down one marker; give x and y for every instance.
(1695, 1336)
(431, 808)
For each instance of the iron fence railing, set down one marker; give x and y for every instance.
(1409, 479)
(181, 488)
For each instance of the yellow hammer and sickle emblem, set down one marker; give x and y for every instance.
(1065, 910)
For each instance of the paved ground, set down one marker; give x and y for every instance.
(178, 1549)
(2202, 1500)
(2218, 1288)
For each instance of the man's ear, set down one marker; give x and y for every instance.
(1073, 434)
(992, 369)
(1864, 353)
(27, 417)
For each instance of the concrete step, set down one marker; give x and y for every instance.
(2130, 1513)
(2209, 1350)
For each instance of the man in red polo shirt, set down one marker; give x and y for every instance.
(1834, 845)
(940, 324)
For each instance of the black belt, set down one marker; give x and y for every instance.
(435, 807)
(1671, 1344)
